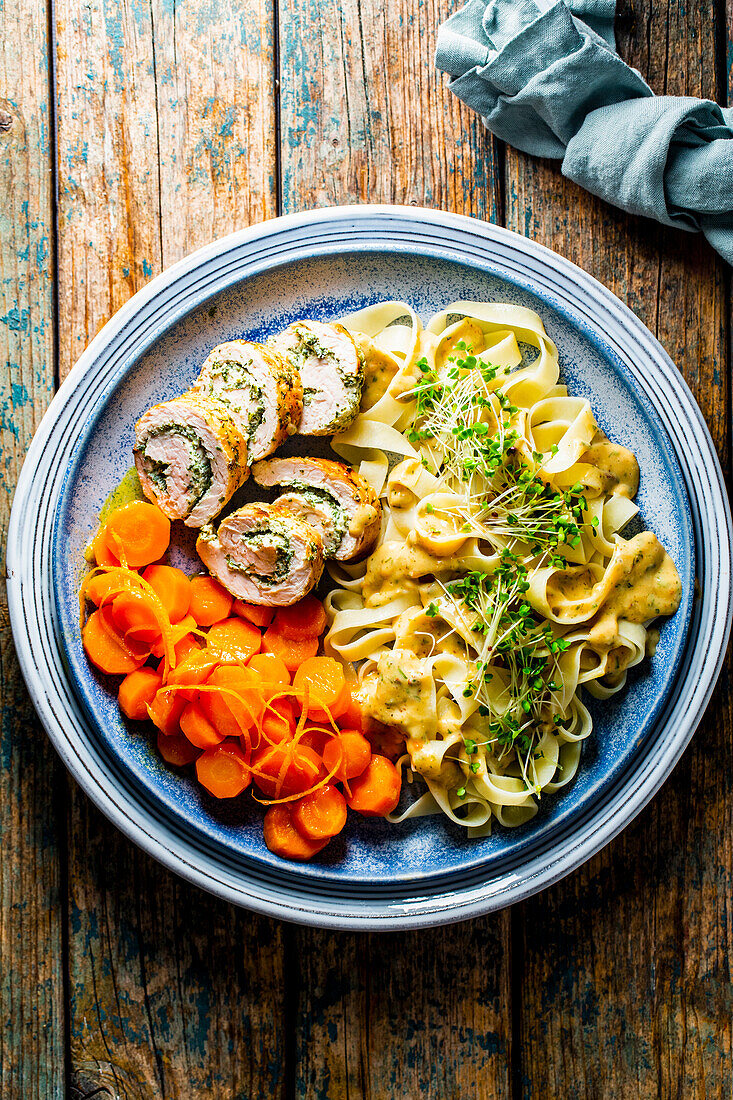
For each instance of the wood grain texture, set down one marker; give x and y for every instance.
(31, 958)
(625, 965)
(165, 140)
(405, 1015)
(365, 118)
(173, 993)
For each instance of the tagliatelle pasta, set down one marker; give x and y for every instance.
(501, 582)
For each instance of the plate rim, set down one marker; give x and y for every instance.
(535, 833)
(421, 911)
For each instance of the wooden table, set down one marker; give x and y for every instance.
(133, 131)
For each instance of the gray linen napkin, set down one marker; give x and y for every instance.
(546, 79)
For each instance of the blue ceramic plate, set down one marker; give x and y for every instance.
(323, 265)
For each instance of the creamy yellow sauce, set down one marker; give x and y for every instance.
(645, 584)
(363, 517)
(379, 370)
(396, 567)
(467, 331)
(616, 465)
(401, 692)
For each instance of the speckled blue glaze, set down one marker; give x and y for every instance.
(369, 852)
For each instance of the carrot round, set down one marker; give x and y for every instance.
(352, 718)
(177, 750)
(317, 739)
(275, 728)
(177, 633)
(102, 588)
(272, 670)
(173, 589)
(134, 616)
(234, 639)
(137, 692)
(284, 840)
(107, 649)
(321, 681)
(385, 740)
(237, 708)
(254, 613)
(197, 727)
(304, 619)
(103, 554)
(223, 771)
(165, 712)
(291, 653)
(210, 601)
(320, 814)
(139, 531)
(376, 791)
(285, 769)
(194, 669)
(350, 752)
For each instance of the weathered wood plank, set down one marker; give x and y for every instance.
(172, 993)
(31, 963)
(626, 976)
(165, 140)
(405, 1015)
(365, 118)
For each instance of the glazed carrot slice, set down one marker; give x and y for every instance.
(321, 680)
(376, 791)
(107, 649)
(177, 750)
(290, 652)
(320, 814)
(197, 727)
(210, 601)
(138, 531)
(385, 741)
(273, 670)
(285, 769)
(275, 728)
(284, 840)
(238, 706)
(177, 634)
(165, 712)
(305, 619)
(234, 639)
(350, 753)
(316, 738)
(194, 669)
(103, 554)
(173, 588)
(137, 692)
(223, 771)
(134, 616)
(351, 718)
(102, 588)
(254, 613)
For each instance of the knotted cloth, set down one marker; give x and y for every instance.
(546, 78)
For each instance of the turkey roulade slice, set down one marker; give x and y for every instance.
(190, 457)
(332, 497)
(263, 556)
(331, 368)
(262, 389)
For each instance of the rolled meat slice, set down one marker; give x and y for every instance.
(190, 457)
(332, 497)
(262, 389)
(331, 368)
(263, 556)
